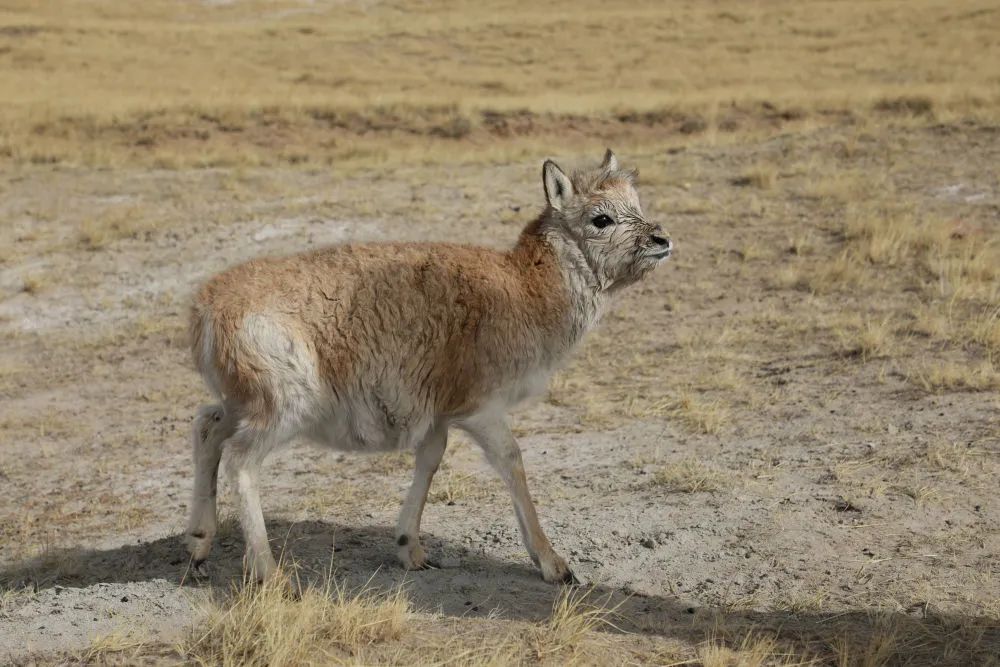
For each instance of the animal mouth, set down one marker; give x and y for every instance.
(661, 254)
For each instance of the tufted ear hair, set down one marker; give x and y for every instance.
(610, 161)
(558, 187)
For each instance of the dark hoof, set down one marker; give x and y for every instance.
(200, 569)
(570, 579)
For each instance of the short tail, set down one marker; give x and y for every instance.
(201, 328)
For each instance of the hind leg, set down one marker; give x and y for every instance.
(247, 449)
(211, 428)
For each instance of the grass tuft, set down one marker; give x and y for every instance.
(113, 648)
(265, 625)
(451, 486)
(688, 476)
(952, 376)
(570, 628)
(115, 224)
(869, 339)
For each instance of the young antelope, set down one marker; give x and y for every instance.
(384, 346)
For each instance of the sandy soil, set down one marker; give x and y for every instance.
(835, 488)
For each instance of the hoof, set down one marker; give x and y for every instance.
(413, 557)
(556, 571)
(200, 569)
(429, 565)
(570, 579)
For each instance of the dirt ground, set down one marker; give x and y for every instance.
(788, 431)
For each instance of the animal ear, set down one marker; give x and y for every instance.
(558, 187)
(610, 161)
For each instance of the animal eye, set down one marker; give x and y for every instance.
(602, 221)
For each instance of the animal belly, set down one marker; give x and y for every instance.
(530, 388)
(363, 430)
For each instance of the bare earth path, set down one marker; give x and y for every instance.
(791, 428)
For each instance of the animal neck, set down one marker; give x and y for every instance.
(541, 249)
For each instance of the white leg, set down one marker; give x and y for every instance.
(211, 427)
(429, 454)
(247, 449)
(494, 436)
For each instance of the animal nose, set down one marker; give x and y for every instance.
(661, 241)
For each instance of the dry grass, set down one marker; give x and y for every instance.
(391, 463)
(12, 598)
(956, 376)
(36, 283)
(131, 517)
(889, 237)
(886, 249)
(699, 414)
(883, 638)
(114, 648)
(984, 329)
(761, 176)
(267, 625)
(752, 651)
(53, 564)
(840, 272)
(451, 486)
(325, 500)
(573, 634)
(950, 456)
(868, 339)
(345, 83)
(115, 224)
(571, 628)
(689, 476)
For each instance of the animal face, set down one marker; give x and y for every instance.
(599, 211)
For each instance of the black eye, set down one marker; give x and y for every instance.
(602, 221)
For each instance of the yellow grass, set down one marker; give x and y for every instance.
(688, 476)
(868, 338)
(122, 222)
(117, 647)
(752, 651)
(760, 176)
(391, 463)
(11, 598)
(984, 329)
(451, 486)
(949, 376)
(35, 283)
(572, 625)
(175, 84)
(268, 625)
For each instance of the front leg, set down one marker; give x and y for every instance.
(429, 454)
(494, 436)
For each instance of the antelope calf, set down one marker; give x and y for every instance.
(384, 346)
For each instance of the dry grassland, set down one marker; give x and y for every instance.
(782, 449)
(249, 83)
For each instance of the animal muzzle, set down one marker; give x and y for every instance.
(660, 247)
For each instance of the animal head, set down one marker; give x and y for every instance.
(598, 211)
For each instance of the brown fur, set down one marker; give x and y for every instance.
(460, 307)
